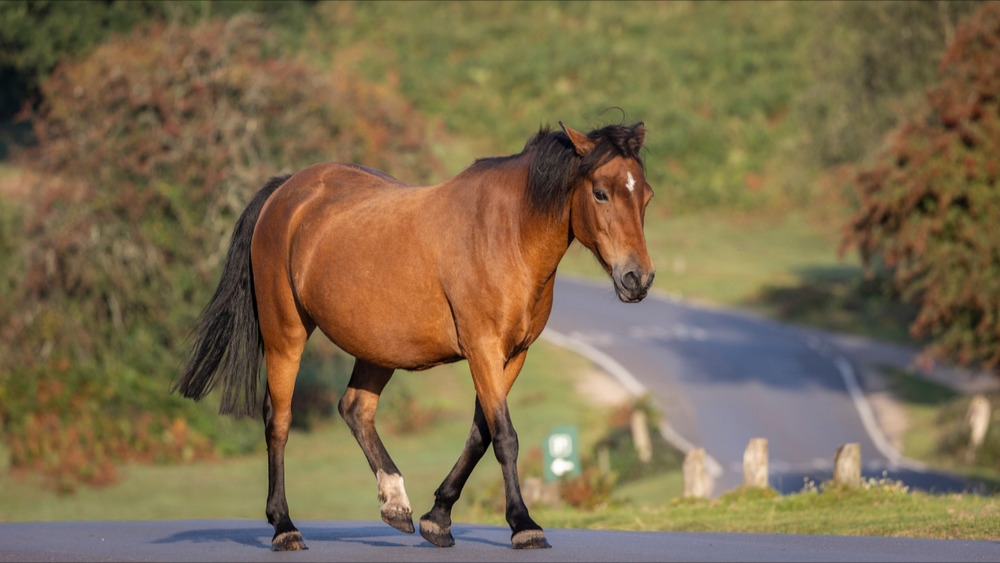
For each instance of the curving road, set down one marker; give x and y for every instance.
(721, 378)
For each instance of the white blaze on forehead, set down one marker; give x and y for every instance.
(631, 182)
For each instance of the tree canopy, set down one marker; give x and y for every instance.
(929, 210)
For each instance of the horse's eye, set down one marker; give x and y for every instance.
(600, 195)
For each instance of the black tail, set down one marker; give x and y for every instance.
(228, 345)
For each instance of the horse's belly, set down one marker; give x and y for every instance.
(392, 329)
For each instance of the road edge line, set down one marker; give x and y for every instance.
(634, 387)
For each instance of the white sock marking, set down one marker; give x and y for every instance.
(391, 491)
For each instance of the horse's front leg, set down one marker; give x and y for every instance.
(525, 533)
(491, 423)
(357, 407)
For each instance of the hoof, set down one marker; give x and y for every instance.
(288, 541)
(529, 539)
(435, 534)
(400, 520)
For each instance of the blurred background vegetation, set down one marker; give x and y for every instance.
(133, 133)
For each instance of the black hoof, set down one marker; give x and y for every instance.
(435, 534)
(288, 541)
(399, 520)
(529, 539)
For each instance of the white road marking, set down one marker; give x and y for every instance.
(632, 385)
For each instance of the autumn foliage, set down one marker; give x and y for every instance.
(148, 149)
(929, 211)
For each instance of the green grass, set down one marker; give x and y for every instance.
(673, 65)
(878, 510)
(725, 257)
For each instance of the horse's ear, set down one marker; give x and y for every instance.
(639, 136)
(582, 143)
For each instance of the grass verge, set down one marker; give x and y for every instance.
(879, 509)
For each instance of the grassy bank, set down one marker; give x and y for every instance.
(877, 510)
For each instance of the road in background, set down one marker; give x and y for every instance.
(722, 377)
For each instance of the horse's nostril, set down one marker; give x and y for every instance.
(630, 281)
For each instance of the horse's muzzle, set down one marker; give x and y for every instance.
(632, 284)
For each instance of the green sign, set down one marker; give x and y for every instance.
(562, 455)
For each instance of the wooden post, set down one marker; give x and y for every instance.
(847, 465)
(698, 482)
(978, 418)
(640, 436)
(755, 463)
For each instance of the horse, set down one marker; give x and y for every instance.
(405, 277)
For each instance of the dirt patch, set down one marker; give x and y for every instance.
(600, 388)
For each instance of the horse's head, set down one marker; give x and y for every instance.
(608, 205)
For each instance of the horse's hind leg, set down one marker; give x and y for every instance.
(358, 406)
(281, 372)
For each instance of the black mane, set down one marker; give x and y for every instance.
(555, 166)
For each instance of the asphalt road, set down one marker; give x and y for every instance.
(244, 540)
(722, 377)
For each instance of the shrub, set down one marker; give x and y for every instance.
(930, 209)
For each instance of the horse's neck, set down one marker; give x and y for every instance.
(541, 239)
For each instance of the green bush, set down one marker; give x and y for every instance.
(622, 454)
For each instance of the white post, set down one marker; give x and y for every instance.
(698, 483)
(755, 463)
(640, 436)
(847, 465)
(978, 418)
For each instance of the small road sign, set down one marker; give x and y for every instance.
(562, 455)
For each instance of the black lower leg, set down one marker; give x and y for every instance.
(435, 526)
(286, 535)
(525, 533)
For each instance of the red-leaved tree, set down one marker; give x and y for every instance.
(929, 211)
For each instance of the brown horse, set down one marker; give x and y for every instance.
(408, 278)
